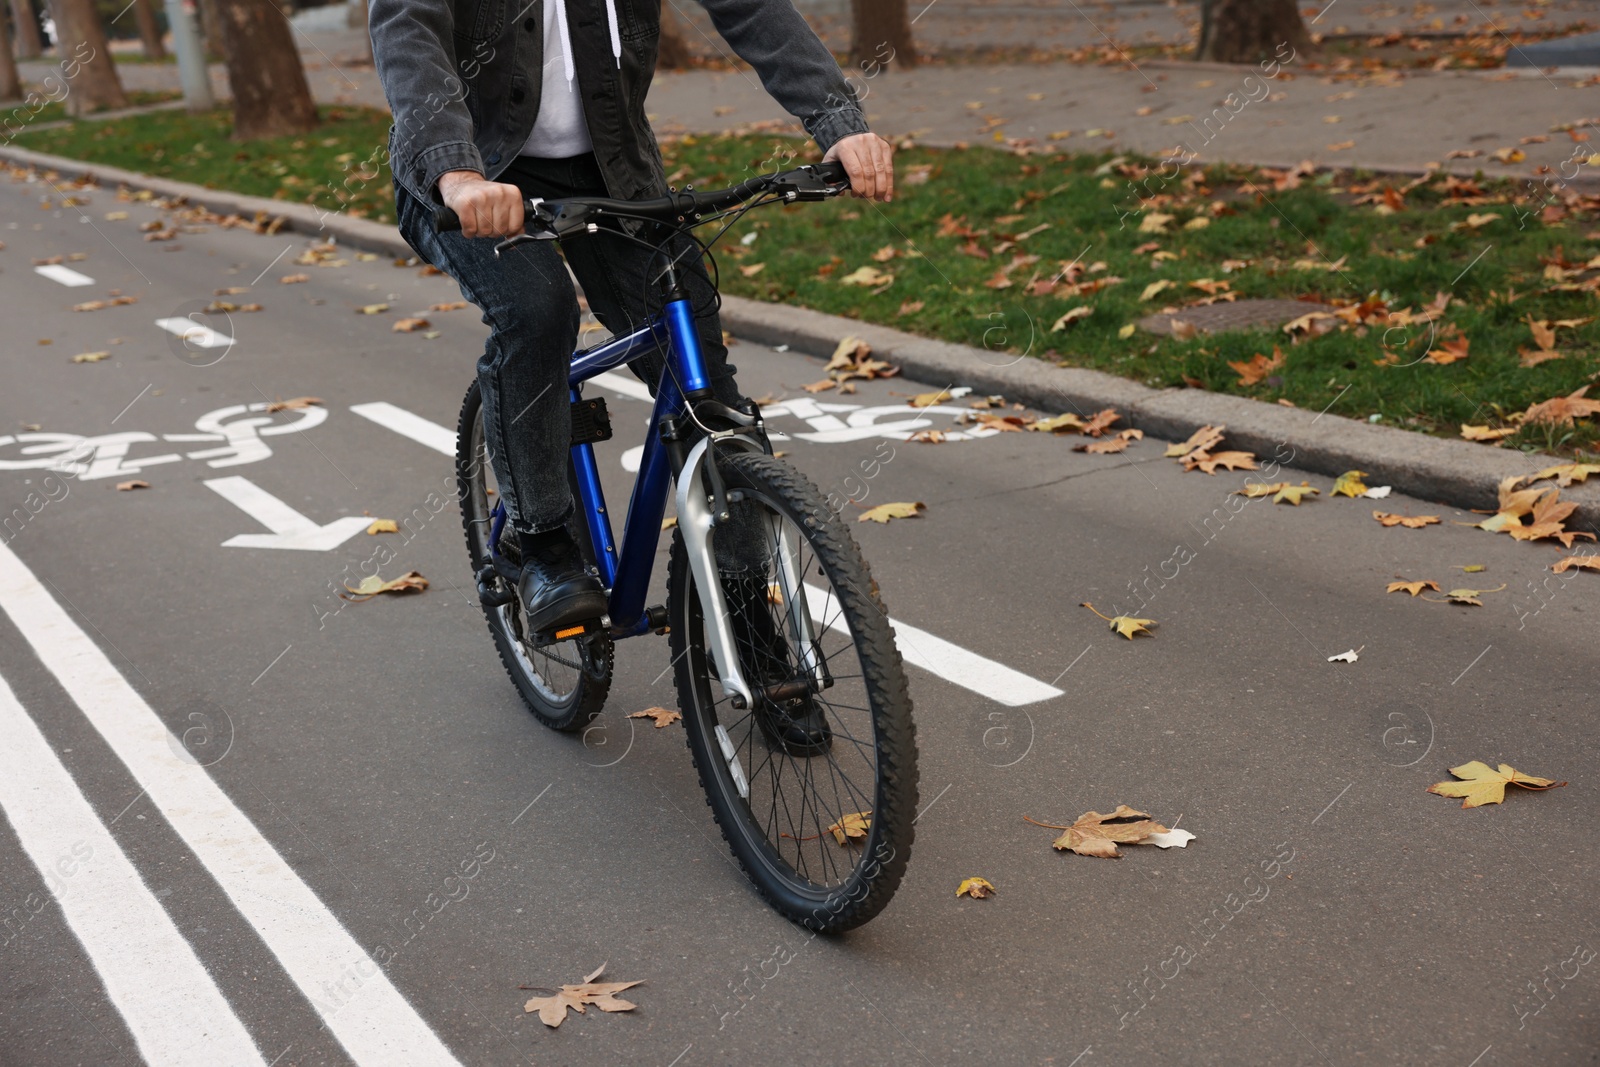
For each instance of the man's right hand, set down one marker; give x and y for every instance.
(486, 209)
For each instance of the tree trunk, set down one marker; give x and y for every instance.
(270, 94)
(30, 43)
(673, 52)
(10, 84)
(149, 30)
(211, 28)
(86, 58)
(880, 36)
(1247, 31)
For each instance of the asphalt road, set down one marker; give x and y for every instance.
(280, 828)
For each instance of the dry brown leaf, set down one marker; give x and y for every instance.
(1485, 433)
(372, 309)
(1448, 350)
(297, 404)
(1591, 563)
(1209, 462)
(851, 827)
(136, 483)
(90, 357)
(294, 279)
(411, 325)
(928, 400)
(372, 585)
(976, 888)
(1403, 586)
(1411, 522)
(1059, 424)
(1094, 834)
(1566, 473)
(1110, 444)
(453, 305)
(603, 995)
(1202, 440)
(1548, 520)
(662, 716)
(1101, 421)
(1562, 410)
(1254, 370)
(910, 307)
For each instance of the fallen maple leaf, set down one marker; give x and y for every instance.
(1254, 370)
(1202, 440)
(1349, 484)
(1465, 596)
(383, 526)
(1094, 834)
(1448, 351)
(1548, 520)
(1410, 522)
(976, 888)
(1209, 462)
(411, 325)
(1110, 444)
(1126, 625)
(867, 276)
(662, 716)
(1101, 421)
(372, 585)
(603, 995)
(136, 483)
(1586, 562)
(1482, 785)
(851, 827)
(297, 404)
(1484, 433)
(896, 510)
(1403, 586)
(1562, 410)
(1566, 474)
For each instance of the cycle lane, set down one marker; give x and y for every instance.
(418, 705)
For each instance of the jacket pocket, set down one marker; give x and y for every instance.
(479, 20)
(640, 19)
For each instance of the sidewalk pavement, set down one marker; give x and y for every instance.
(1383, 120)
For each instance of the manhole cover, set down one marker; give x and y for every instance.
(1239, 315)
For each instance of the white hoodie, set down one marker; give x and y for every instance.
(560, 132)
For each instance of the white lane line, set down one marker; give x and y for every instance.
(949, 661)
(191, 332)
(406, 424)
(176, 1013)
(290, 529)
(65, 275)
(353, 995)
(917, 646)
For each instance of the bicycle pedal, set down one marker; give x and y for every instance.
(491, 591)
(568, 633)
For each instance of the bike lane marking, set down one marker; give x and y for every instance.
(151, 974)
(65, 275)
(290, 529)
(934, 654)
(191, 332)
(373, 1022)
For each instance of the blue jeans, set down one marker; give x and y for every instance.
(530, 305)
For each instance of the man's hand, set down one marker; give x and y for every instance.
(869, 160)
(486, 209)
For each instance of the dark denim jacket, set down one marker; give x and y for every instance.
(463, 80)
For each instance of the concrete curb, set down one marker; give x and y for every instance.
(1457, 473)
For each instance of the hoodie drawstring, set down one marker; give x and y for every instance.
(566, 38)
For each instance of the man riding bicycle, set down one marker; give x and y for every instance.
(496, 101)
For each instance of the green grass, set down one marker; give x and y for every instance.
(340, 166)
(1495, 273)
(18, 116)
(1080, 198)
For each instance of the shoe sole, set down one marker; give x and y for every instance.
(568, 611)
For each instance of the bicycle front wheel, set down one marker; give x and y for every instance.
(815, 783)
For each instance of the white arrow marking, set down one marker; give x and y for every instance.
(194, 333)
(290, 529)
(65, 275)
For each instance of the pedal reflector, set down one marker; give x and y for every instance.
(571, 631)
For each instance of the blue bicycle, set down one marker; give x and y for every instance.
(792, 691)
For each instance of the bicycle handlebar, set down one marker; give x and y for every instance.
(573, 215)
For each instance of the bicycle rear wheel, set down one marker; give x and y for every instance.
(565, 683)
(815, 784)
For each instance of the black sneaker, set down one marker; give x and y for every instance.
(789, 717)
(555, 587)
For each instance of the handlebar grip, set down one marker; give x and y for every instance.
(832, 171)
(445, 219)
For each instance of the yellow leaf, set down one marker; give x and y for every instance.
(1482, 785)
(1255, 490)
(1155, 287)
(1411, 522)
(294, 279)
(1155, 222)
(90, 357)
(372, 309)
(867, 276)
(976, 888)
(1094, 834)
(1209, 462)
(850, 827)
(1508, 155)
(1484, 433)
(1127, 331)
(411, 325)
(1349, 484)
(1203, 439)
(1126, 625)
(1413, 588)
(1058, 424)
(662, 716)
(372, 585)
(1293, 494)
(897, 510)
(1070, 317)
(383, 526)
(1566, 473)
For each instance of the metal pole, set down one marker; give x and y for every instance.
(191, 56)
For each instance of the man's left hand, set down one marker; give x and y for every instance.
(869, 161)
